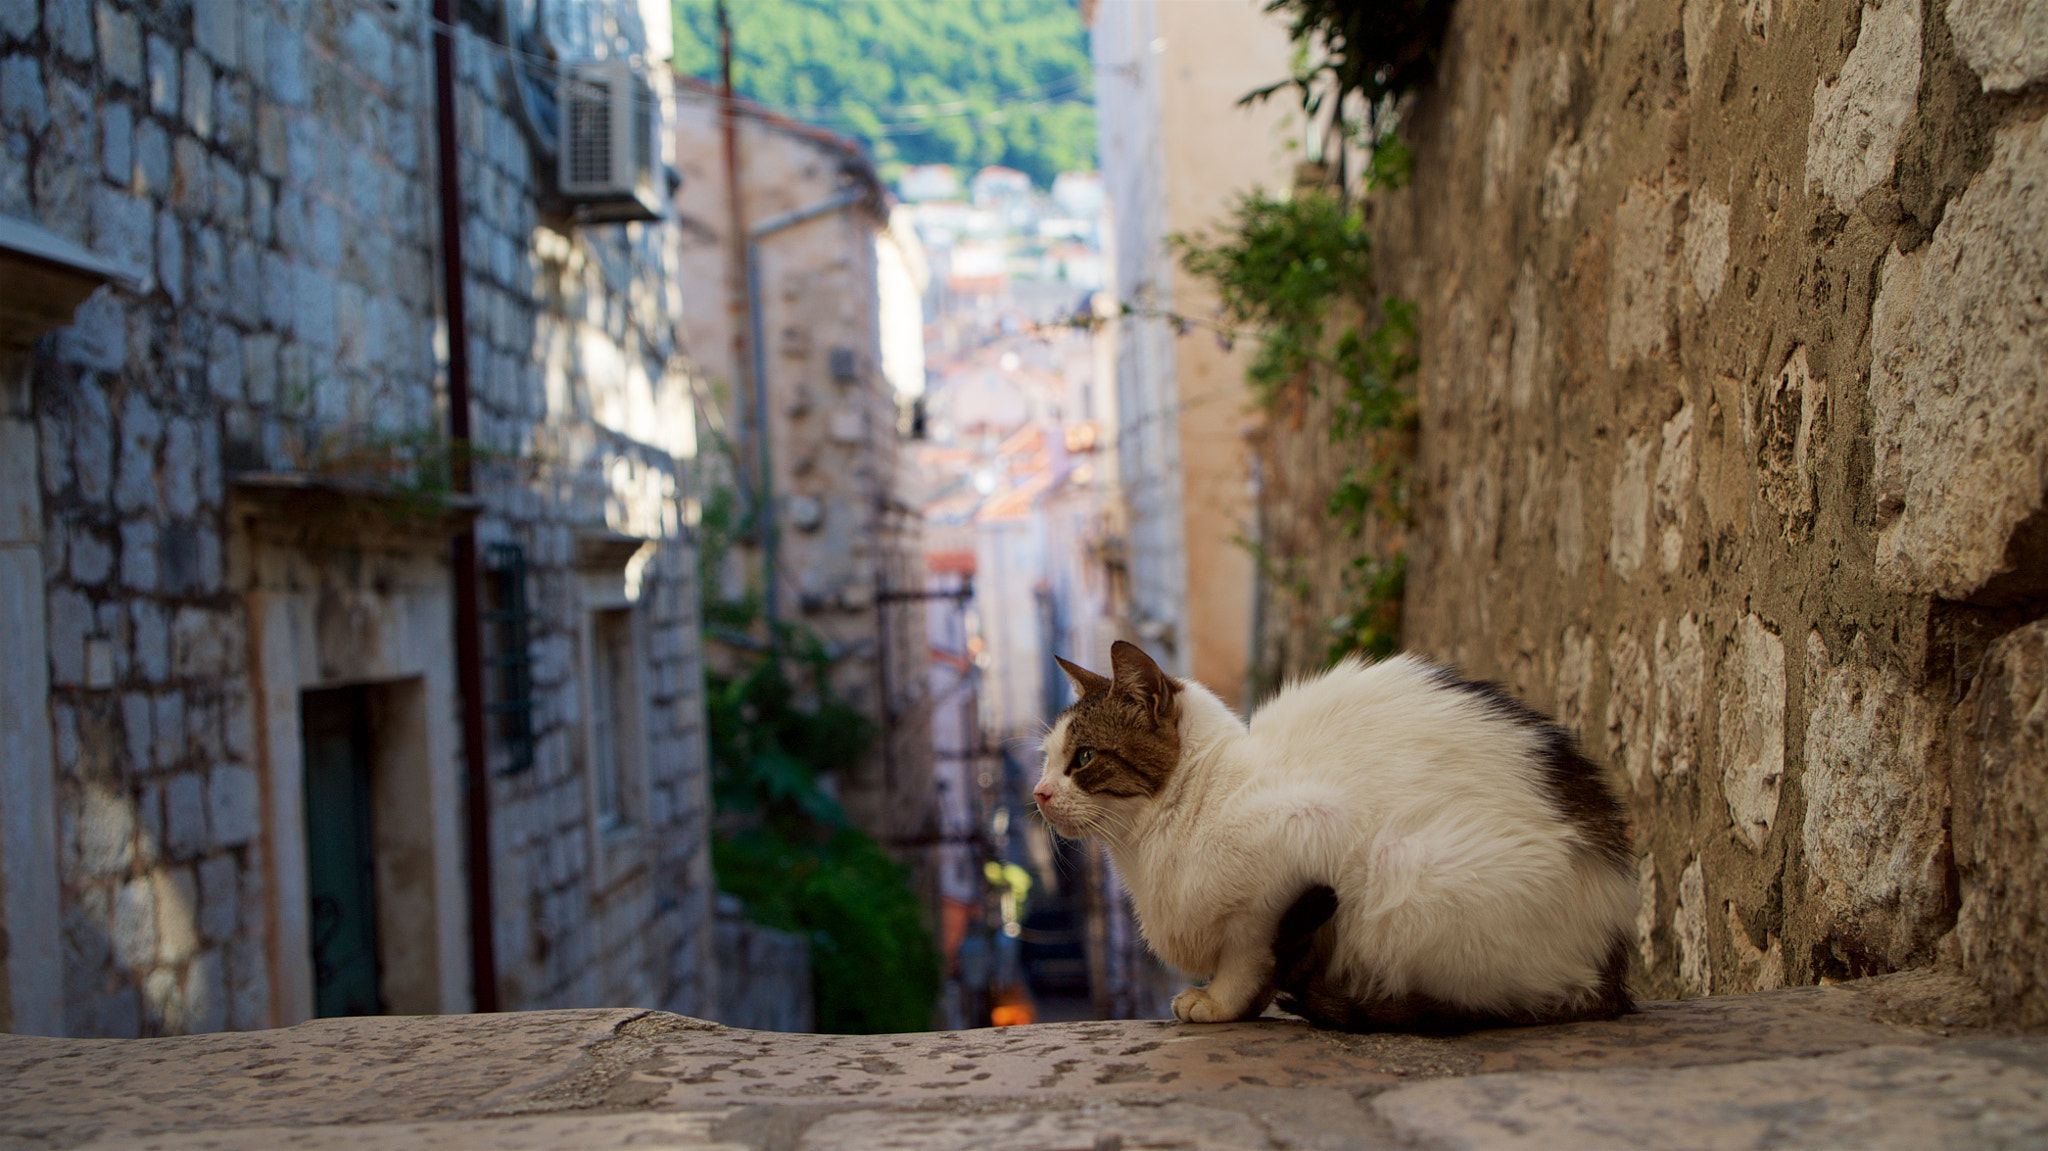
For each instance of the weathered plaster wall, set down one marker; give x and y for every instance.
(1733, 400)
(1177, 150)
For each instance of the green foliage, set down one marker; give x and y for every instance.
(1299, 272)
(1372, 627)
(784, 845)
(1281, 266)
(963, 82)
(1373, 50)
(874, 967)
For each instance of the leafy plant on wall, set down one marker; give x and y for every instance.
(781, 843)
(1296, 274)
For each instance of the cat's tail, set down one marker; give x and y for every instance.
(1294, 959)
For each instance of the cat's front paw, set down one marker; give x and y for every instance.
(1195, 1005)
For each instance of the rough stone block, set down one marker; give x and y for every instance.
(234, 121)
(170, 257)
(163, 85)
(139, 539)
(1629, 543)
(1681, 670)
(120, 42)
(177, 908)
(2001, 821)
(91, 560)
(1877, 850)
(117, 143)
(206, 993)
(217, 29)
(185, 835)
(133, 931)
(102, 831)
(163, 1002)
(123, 228)
(191, 190)
(152, 640)
(197, 99)
(168, 717)
(70, 622)
(234, 800)
(1791, 434)
(201, 644)
(1689, 925)
(152, 175)
(1639, 296)
(1858, 120)
(19, 19)
(1958, 336)
(180, 469)
(2004, 41)
(138, 733)
(230, 187)
(23, 105)
(248, 973)
(141, 434)
(220, 898)
(284, 63)
(1753, 730)
(1672, 510)
(224, 365)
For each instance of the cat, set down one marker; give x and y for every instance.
(1383, 846)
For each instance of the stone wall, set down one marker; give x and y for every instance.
(1732, 453)
(268, 171)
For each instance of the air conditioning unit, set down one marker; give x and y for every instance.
(609, 162)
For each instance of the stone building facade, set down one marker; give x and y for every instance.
(249, 484)
(804, 318)
(1732, 452)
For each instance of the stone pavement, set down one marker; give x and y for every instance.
(1904, 1061)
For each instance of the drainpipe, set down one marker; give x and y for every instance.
(769, 530)
(469, 666)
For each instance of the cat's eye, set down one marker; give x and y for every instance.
(1082, 756)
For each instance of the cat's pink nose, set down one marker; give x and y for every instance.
(1042, 793)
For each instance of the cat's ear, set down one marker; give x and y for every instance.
(1086, 682)
(1134, 672)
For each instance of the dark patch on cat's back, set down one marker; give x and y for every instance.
(1573, 782)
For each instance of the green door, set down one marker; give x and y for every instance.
(341, 878)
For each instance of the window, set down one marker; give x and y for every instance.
(614, 718)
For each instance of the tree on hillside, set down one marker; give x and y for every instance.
(964, 82)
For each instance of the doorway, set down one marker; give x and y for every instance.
(341, 858)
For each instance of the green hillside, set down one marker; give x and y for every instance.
(965, 82)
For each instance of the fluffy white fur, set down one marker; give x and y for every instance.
(1424, 810)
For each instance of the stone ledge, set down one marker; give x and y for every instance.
(1887, 1060)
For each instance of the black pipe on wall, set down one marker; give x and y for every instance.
(469, 667)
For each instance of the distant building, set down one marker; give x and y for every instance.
(301, 722)
(921, 182)
(995, 188)
(1080, 194)
(804, 313)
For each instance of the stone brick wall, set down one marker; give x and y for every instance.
(1731, 453)
(268, 171)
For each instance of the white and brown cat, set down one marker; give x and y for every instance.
(1383, 846)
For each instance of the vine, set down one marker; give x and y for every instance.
(1297, 274)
